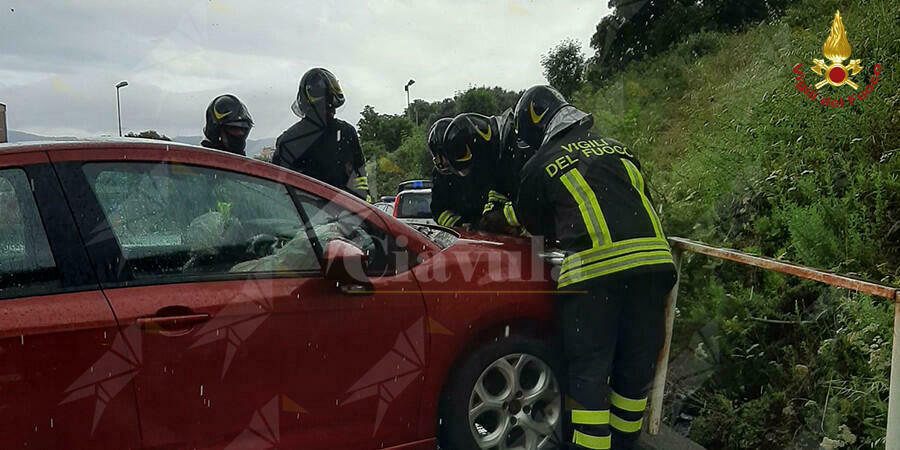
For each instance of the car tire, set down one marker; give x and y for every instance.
(504, 395)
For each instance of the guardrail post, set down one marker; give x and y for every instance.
(662, 362)
(893, 419)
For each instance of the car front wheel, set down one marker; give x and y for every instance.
(506, 395)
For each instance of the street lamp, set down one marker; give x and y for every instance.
(120, 84)
(408, 84)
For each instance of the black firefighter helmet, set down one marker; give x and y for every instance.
(468, 138)
(320, 92)
(534, 111)
(226, 111)
(436, 144)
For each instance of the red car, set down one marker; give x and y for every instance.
(163, 295)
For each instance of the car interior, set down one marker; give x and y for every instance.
(176, 220)
(26, 262)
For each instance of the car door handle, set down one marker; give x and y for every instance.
(357, 289)
(171, 325)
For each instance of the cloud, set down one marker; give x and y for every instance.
(178, 55)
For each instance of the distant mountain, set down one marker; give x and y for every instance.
(254, 146)
(21, 136)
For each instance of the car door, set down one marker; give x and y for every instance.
(65, 369)
(175, 245)
(359, 371)
(242, 341)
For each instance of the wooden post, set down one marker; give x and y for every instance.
(893, 418)
(662, 362)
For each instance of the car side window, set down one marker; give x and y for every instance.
(174, 220)
(328, 220)
(27, 266)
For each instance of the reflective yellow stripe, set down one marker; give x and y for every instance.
(585, 417)
(588, 441)
(494, 196)
(615, 265)
(615, 249)
(447, 217)
(451, 221)
(590, 209)
(625, 426)
(627, 404)
(488, 207)
(637, 180)
(510, 213)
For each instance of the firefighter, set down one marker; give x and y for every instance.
(435, 142)
(228, 124)
(445, 185)
(587, 195)
(321, 145)
(481, 154)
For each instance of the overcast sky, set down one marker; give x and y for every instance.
(59, 61)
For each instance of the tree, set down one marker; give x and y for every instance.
(477, 100)
(642, 28)
(505, 99)
(385, 129)
(265, 155)
(564, 66)
(482, 100)
(419, 111)
(411, 161)
(439, 110)
(149, 134)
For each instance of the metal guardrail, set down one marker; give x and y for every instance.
(680, 245)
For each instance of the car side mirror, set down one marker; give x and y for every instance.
(345, 263)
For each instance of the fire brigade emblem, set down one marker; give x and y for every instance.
(837, 49)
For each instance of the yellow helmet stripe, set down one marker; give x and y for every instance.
(535, 118)
(468, 155)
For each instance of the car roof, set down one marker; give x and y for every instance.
(415, 191)
(40, 146)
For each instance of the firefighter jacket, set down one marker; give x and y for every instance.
(489, 188)
(587, 193)
(457, 200)
(330, 154)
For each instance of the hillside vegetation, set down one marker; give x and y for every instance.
(738, 158)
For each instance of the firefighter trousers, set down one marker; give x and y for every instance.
(612, 331)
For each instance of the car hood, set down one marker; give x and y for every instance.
(506, 242)
(475, 237)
